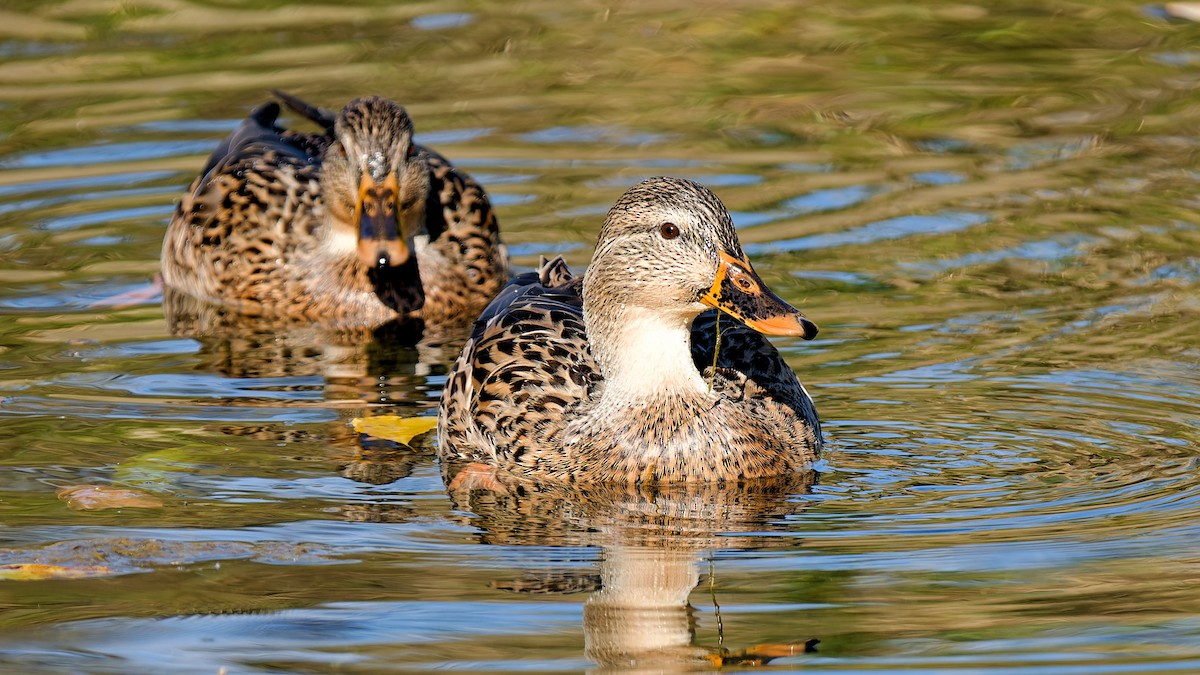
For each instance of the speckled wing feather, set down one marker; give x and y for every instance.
(526, 364)
(251, 206)
(469, 264)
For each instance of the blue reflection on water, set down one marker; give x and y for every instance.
(123, 179)
(1045, 250)
(817, 201)
(107, 153)
(893, 228)
(442, 21)
(592, 134)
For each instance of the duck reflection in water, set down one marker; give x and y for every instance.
(387, 364)
(653, 541)
(385, 370)
(382, 370)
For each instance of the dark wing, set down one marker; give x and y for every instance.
(749, 368)
(259, 134)
(322, 117)
(552, 281)
(525, 365)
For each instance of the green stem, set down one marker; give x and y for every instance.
(716, 352)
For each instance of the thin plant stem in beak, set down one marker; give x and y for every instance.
(716, 352)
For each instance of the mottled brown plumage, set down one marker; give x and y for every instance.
(350, 227)
(607, 378)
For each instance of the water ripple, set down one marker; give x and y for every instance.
(883, 230)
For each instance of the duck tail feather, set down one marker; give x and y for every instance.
(320, 116)
(554, 273)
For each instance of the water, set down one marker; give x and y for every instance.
(989, 209)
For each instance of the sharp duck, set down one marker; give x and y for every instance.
(611, 378)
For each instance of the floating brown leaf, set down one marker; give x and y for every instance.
(96, 497)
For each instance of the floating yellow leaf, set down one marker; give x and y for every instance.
(32, 572)
(394, 427)
(96, 497)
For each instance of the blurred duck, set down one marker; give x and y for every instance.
(610, 378)
(350, 227)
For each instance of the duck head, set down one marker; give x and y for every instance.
(375, 183)
(669, 246)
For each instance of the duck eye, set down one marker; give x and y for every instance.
(669, 230)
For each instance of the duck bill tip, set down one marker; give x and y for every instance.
(382, 253)
(790, 325)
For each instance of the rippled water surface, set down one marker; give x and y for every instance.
(990, 209)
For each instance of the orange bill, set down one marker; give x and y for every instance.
(739, 292)
(380, 241)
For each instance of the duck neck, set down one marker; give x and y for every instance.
(644, 355)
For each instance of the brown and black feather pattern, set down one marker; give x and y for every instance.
(520, 398)
(247, 235)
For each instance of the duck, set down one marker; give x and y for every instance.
(350, 227)
(652, 368)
